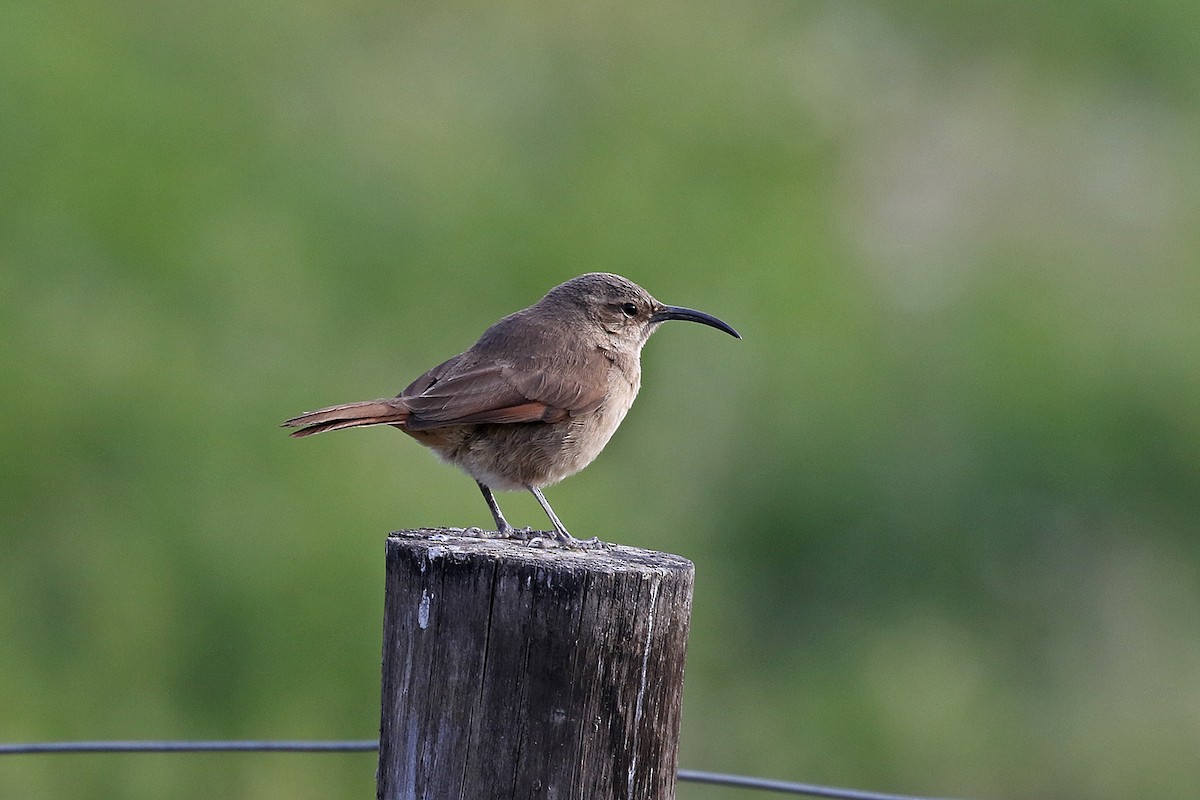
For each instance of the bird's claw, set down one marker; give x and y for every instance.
(534, 538)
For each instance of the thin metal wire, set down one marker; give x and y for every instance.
(788, 787)
(361, 745)
(367, 745)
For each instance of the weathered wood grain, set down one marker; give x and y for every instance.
(517, 671)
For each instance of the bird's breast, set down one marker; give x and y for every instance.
(589, 433)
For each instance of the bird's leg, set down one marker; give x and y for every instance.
(559, 531)
(501, 523)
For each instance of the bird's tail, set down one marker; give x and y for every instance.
(388, 411)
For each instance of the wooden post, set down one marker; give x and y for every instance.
(516, 671)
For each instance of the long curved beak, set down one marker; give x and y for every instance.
(692, 315)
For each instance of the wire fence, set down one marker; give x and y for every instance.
(369, 745)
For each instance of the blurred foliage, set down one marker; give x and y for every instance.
(943, 499)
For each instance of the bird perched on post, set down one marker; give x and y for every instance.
(536, 398)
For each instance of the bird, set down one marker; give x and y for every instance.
(536, 398)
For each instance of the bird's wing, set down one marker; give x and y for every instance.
(431, 377)
(502, 391)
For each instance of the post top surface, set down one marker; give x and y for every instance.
(538, 550)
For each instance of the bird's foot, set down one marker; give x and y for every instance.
(561, 538)
(594, 543)
(506, 532)
(518, 534)
(534, 538)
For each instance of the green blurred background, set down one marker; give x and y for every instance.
(943, 500)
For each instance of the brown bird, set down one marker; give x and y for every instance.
(536, 398)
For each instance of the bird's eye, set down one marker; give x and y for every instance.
(629, 309)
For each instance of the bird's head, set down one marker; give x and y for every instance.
(624, 311)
